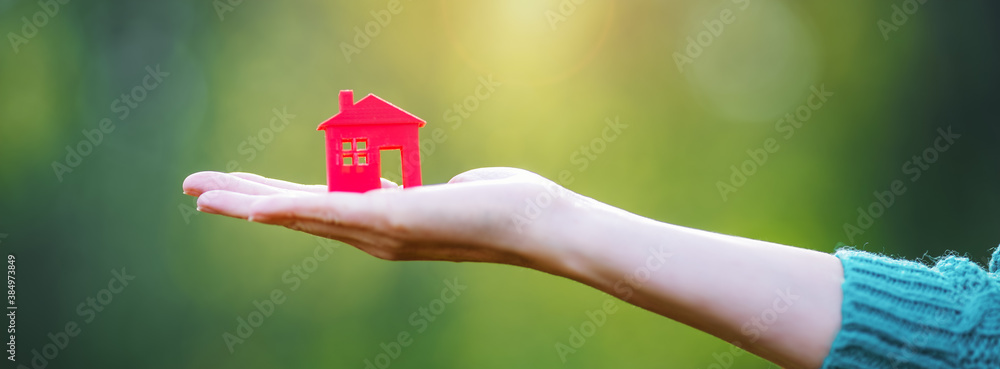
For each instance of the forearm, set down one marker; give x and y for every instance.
(782, 303)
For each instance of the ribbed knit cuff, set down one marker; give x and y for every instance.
(902, 314)
(995, 261)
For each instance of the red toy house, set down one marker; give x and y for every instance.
(356, 136)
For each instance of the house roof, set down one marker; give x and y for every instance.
(370, 110)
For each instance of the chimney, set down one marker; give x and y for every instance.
(346, 99)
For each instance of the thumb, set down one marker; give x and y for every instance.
(485, 174)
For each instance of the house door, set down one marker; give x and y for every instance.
(391, 165)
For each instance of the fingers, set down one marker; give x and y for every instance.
(338, 208)
(238, 205)
(228, 203)
(265, 200)
(333, 217)
(286, 210)
(281, 184)
(202, 182)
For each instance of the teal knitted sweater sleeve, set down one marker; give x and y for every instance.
(902, 314)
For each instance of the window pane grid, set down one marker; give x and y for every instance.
(354, 151)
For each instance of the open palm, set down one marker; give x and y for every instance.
(477, 216)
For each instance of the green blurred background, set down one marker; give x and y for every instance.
(563, 69)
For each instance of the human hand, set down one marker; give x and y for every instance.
(480, 215)
(712, 282)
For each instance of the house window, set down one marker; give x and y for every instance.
(355, 151)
